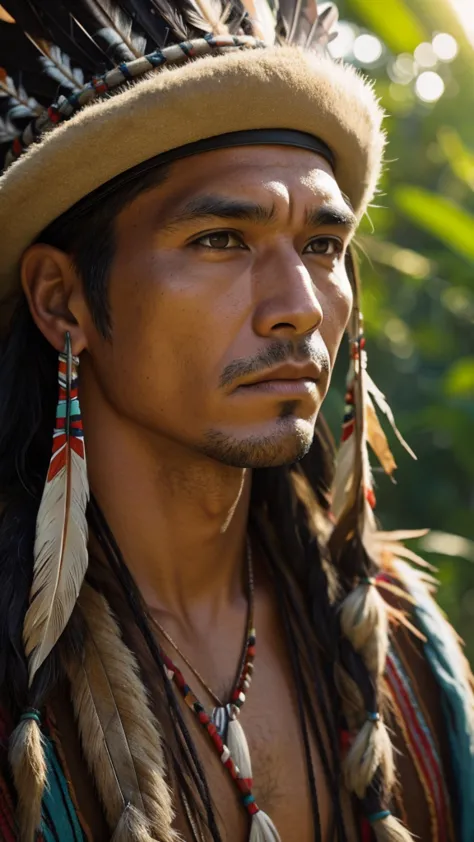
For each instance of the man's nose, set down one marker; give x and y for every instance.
(288, 305)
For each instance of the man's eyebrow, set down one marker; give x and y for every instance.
(218, 206)
(331, 215)
(212, 206)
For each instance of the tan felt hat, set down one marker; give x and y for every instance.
(269, 88)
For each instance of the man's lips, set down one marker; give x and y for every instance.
(289, 379)
(299, 386)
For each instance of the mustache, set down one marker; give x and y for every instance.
(278, 352)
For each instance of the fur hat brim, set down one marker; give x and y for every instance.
(272, 88)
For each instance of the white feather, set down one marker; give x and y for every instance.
(60, 560)
(384, 407)
(262, 829)
(239, 749)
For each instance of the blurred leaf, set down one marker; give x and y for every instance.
(439, 216)
(406, 261)
(392, 21)
(459, 380)
(426, 337)
(459, 157)
(440, 16)
(419, 315)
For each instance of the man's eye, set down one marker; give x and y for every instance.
(327, 246)
(222, 240)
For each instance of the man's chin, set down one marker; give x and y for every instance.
(290, 441)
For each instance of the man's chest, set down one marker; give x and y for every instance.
(272, 727)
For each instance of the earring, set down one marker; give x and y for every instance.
(60, 552)
(361, 426)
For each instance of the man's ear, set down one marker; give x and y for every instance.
(54, 294)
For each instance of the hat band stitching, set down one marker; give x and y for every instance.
(65, 107)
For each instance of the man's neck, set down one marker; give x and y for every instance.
(179, 517)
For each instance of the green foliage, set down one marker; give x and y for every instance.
(392, 21)
(418, 281)
(439, 216)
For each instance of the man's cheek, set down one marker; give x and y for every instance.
(332, 330)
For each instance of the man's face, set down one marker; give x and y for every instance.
(228, 274)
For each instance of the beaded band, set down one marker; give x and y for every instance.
(31, 714)
(367, 580)
(66, 106)
(377, 817)
(373, 716)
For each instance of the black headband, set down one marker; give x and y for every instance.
(251, 137)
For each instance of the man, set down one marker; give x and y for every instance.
(197, 647)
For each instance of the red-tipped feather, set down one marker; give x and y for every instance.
(61, 528)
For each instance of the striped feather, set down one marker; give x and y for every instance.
(61, 528)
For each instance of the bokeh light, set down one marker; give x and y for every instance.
(367, 49)
(341, 47)
(429, 86)
(402, 69)
(445, 46)
(425, 55)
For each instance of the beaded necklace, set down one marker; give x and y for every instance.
(242, 682)
(222, 725)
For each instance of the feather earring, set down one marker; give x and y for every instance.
(61, 528)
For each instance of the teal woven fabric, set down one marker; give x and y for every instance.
(60, 822)
(445, 659)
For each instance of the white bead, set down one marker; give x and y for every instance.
(225, 754)
(242, 697)
(169, 673)
(246, 683)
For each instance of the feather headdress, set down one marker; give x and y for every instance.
(58, 59)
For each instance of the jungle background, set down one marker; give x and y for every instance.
(417, 270)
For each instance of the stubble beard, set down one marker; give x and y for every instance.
(289, 443)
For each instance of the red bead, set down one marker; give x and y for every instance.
(203, 717)
(345, 738)
(371, 498)
(179, 679)
(230, 766)
(243, 786)
(53, 115)
(218, 742)
(347, 430)
(99, 85)
(251, 651)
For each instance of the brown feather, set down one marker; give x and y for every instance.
(26, 756)
(119, 734)
(5, 16)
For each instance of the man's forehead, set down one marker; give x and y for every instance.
(259, 173)
(239, 162)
